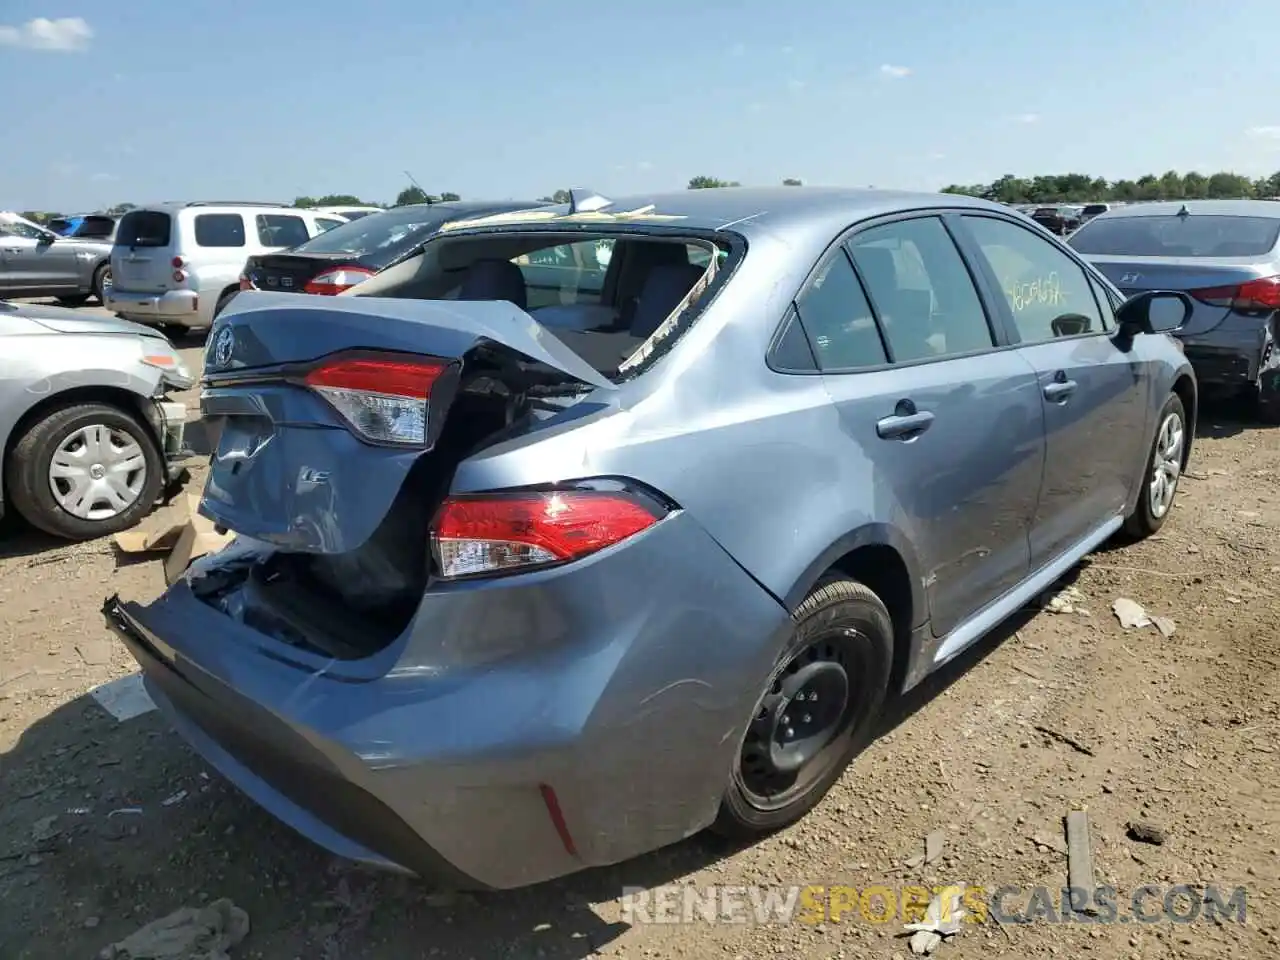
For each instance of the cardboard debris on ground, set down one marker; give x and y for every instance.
(180, 531)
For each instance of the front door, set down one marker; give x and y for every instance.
(1095, 395)
(34, 264)
(945, 431)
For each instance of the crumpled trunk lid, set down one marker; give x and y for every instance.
(287, 468)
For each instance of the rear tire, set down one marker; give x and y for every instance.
(841, 648)
(101, 277)
(1268, 397)
(1163, 470)
(32, 486)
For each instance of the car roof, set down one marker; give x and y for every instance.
(799, 212)
(1221, 208)
(172, 206)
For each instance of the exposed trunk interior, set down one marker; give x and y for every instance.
(350, 605)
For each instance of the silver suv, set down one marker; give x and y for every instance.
(174, 264)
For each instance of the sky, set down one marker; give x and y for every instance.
(149, 100)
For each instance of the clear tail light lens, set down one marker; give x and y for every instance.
(383, 399)
(486, 534)
(332, 282)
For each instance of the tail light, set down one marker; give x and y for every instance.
(511, 532)
(383, 398)
(334, 281)
(245, 282)
(179, 276)
(1260, 294)
(177, 263)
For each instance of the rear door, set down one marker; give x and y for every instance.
(1096, 396)
(141, 260)
(944, 424)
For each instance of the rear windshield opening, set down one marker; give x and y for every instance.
(1178, 236)
(144, 228)
(617, 300)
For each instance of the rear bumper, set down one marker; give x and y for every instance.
(622, 683)
(1230, 356)
(177, 307)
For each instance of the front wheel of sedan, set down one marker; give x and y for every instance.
(1164, 469)
(818, 708)
(84, 470)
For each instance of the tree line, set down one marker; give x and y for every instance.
(1082, 188)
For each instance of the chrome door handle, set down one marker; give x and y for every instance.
(904, 426)
(1059, 391)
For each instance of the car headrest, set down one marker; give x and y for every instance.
(495, 280)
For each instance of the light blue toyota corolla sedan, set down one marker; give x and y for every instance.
(537, 571)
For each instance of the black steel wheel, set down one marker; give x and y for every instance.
(818, 709)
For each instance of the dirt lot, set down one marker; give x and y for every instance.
(1061, 711)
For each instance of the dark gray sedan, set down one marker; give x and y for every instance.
(1226, 255)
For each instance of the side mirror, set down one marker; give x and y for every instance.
(47, 237)
(1155, 311)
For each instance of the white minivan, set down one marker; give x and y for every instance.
(173, 263)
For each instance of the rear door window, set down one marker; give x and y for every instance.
(1191, 235)
(281, 230)
(921, 290)
(144, 228)
(219, 230)
(838, 320)
(325, 224)
(567, 273)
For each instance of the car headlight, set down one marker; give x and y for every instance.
(161, 355)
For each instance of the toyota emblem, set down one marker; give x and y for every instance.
(224, 345)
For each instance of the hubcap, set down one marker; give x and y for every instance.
(1166, 465)
(807, 707)
(97, 472)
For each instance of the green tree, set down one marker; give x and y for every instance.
(1081, 188)
(711, 183)
(792, 182)
(560, 196)
(450, 196)
(340, 200)
(305, 202)
(413, 195)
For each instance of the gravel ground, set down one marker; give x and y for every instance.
(1059, 711)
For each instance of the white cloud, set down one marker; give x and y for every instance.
(738, 50)
(937, 156)
(1026, 118)
(1264, 133)
(788, 51)
(644, 165)
(756, 107)
(103, 177)
(66, 34)
(894, 72)
(795, 86)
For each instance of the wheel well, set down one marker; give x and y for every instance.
(115, 396)
(234, 288)
(882, 569)
(1186, 391)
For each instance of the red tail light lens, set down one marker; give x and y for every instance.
(334, 281)
(385, 400)
(177, 263)
(484, 534)
(1260, 294)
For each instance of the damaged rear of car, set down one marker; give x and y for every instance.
(448, 623)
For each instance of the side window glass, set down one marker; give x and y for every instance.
(791, 352)
(921, 290)
(1107, 302)
(220, 230)
(568, 273)
(836, 316)
(281, 230)
(1048, 294)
